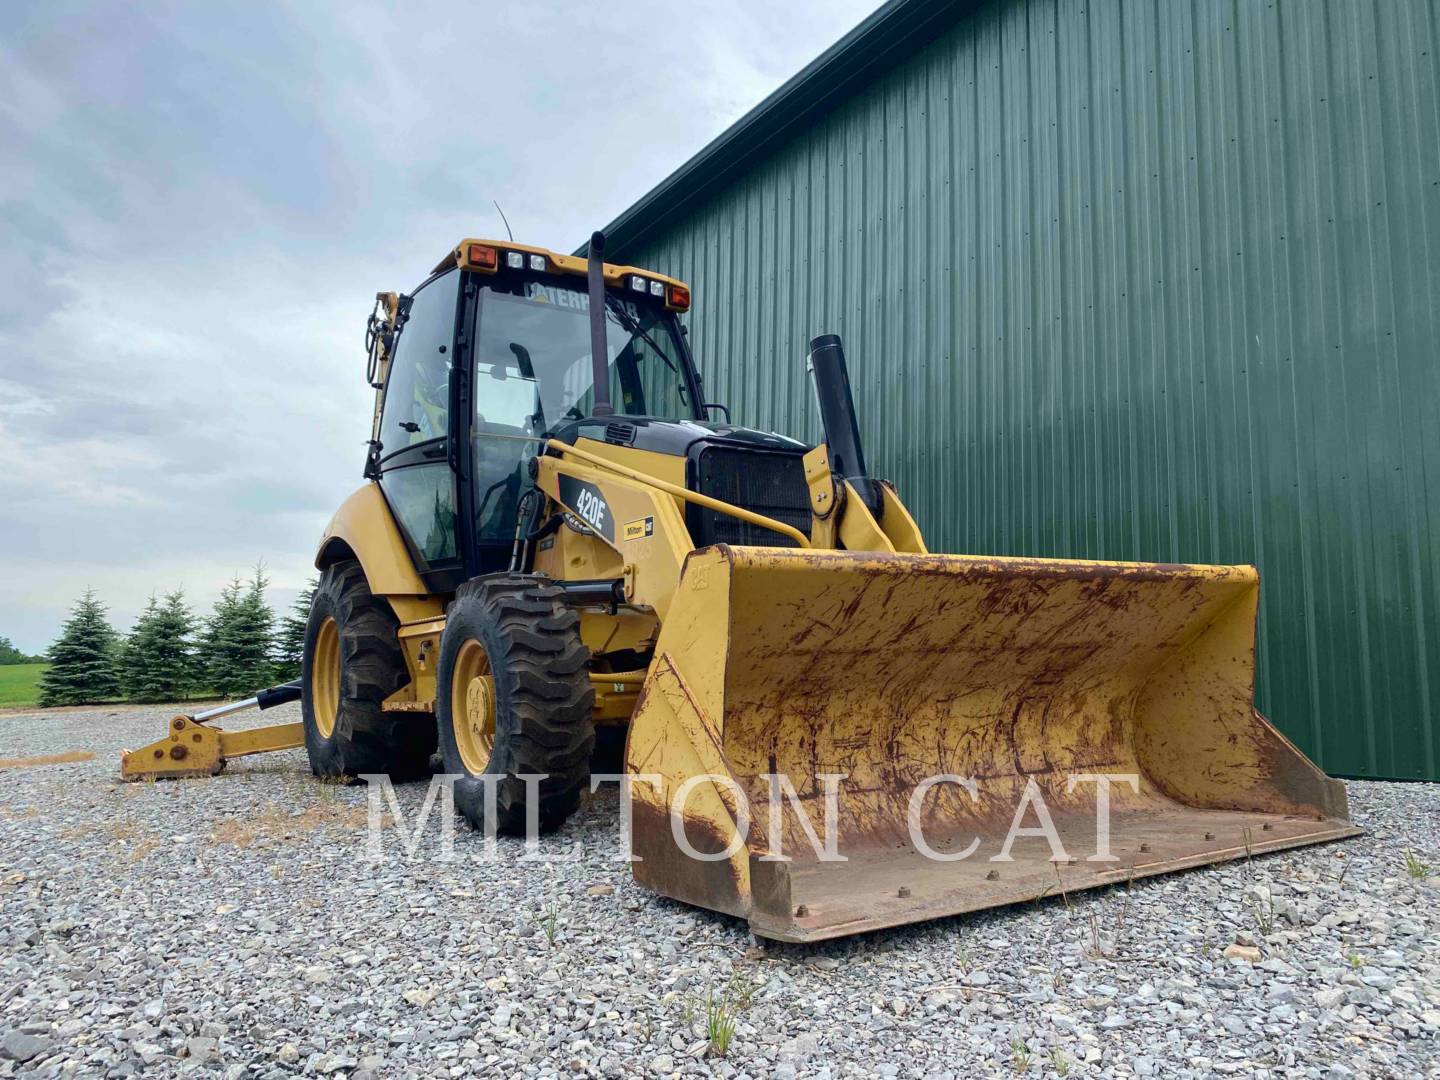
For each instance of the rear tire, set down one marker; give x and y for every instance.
(513, 697)
(353, 662)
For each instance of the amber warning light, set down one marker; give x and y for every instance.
(481, 257)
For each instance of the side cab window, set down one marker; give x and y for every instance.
(417, 393)
(414, 466)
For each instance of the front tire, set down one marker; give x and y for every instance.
(513, 697)
(353, 662)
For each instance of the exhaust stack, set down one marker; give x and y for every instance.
(831, 379)
(595, 277)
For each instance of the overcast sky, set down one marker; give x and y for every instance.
(198, 202)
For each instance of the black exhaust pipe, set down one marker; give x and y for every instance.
(599, 354)
(837, 415)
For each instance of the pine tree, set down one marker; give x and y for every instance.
(237, 643)
(216, 646)
(159, 656)
(290, 641)
(82, 661)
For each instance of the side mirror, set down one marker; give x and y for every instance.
(716, 405)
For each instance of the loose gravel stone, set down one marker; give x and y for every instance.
(234, 927)
(22, 1046)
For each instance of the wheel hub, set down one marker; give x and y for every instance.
(472, 707)
(325, 678)
(480, 708)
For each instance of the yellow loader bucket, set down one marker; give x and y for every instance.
(990, 686)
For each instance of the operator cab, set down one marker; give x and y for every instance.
(489, 357)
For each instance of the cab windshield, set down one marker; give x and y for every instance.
(533, 368)
(533, 372)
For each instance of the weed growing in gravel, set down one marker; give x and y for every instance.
(550, 924)
(963, 960)
(719, 1024)
(1019, 1055)
(137, 840)
(1060, 1062)
(1123, 911)
(1263, 908)
(722, 1011)
(1059, 881)
(1414, 867)
(325, 790)
(1355, 960)
(743, 988)
(1097, 946)
(1118, 906)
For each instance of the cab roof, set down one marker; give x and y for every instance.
(564, 264)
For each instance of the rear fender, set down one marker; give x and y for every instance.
(364, 529)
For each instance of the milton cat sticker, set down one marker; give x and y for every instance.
(639, 528)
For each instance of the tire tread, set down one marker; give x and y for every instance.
(552, 699)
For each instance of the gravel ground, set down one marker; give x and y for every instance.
(233, 927)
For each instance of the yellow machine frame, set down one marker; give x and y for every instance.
(858, 652)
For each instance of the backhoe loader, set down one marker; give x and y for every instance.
(830, 728)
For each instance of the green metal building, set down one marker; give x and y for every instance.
(1152, 280)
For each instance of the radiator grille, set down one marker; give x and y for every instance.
(767, 483)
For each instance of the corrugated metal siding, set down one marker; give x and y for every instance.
(1144, 280)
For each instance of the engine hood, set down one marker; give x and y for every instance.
(675, 437)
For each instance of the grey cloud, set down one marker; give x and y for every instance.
(199, 201)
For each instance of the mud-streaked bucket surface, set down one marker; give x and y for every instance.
(897, 668)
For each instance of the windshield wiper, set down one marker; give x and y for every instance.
(632, 326)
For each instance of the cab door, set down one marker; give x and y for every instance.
(414, 457)
(505, 419)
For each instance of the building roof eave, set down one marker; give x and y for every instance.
(871, 48)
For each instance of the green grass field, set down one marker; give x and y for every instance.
(20, 683)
